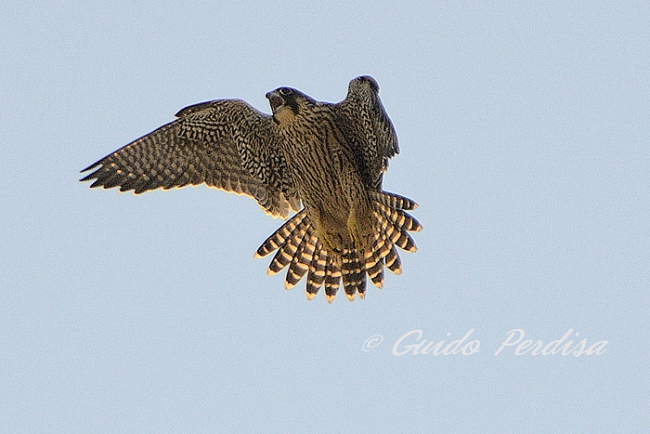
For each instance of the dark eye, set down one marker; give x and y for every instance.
(285, 91)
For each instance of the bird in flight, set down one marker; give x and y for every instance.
(329, 158)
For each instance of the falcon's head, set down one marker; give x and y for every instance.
(286, 102)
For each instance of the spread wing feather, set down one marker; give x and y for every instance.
(370, 132)
(226, 144)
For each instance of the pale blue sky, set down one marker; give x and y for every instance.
(524, 133)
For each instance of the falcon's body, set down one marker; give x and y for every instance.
(330, 157)
(325, 171)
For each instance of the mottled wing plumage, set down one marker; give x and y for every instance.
(225, 144)
(370, 131)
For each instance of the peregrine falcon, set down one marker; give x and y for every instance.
(329, 157)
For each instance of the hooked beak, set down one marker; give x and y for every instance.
(275, 100)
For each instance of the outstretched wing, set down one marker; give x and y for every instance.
(226, 144)
(370, 130)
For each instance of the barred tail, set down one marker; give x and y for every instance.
(299, 248)
(354, 274)
(393, 200)
(279, 237)
(393, 225)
